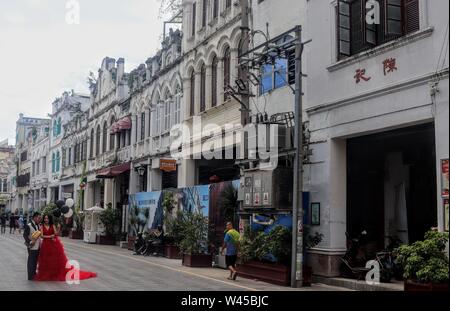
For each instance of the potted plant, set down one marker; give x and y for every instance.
(425, 263)
(78, 220)
(265, 256)
(110, 220)
(173, 227)
(193, 244)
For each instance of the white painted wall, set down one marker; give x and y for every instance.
(339, 108)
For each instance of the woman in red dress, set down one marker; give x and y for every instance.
(52, 258)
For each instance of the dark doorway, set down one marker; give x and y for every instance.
(170, 179)
(213, 171)
(391, 184)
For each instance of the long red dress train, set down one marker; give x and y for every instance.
(52, 261)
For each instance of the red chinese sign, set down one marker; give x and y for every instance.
(444, 178)
(361, 75)
(389, 65)
(168, 165)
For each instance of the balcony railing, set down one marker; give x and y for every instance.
(124, 154)
(105, 159)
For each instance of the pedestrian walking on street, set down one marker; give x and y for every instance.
(12, 224)
(231, 245)
(20, 224)
(32, 235)
(3, 223)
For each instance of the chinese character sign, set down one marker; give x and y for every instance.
(444, 178)
(361, 75)
(389, 65)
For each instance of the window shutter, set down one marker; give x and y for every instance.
(358, 20)
(344, 27)
(394, 17)
(370, 30)
(411, 16)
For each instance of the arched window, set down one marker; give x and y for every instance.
(91, 145)
(58, 160)
(142, 126)
(167, 111)
(112, 140)
(226, 72)
(177, 106)
(203, 88)
(58, 127)
(214, 82)
(53, 163)
(105, 137)
(97, 141)
(192, 99)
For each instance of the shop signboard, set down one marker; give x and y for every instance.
(444, 178)
(168, 165)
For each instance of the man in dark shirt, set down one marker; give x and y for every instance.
(12, 224)
(3, 223)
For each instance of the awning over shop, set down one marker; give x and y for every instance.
(121, 125)
(114, 171)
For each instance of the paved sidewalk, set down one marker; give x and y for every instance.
(118, 269)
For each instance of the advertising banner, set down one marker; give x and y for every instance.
(146, 212)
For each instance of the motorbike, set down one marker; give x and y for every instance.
(387, 259)
(354, 260)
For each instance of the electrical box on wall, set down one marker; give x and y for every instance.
(268, 189)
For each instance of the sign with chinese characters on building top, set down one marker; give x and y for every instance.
(444, 178)
(389, 66)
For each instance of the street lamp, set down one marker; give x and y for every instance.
(141, 171)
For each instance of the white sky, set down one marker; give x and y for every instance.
(41, 55)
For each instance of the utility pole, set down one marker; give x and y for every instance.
(297, 210)
(243, 73)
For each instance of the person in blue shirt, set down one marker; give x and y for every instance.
(231, 245)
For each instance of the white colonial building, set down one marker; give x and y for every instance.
(109, 143)
(28, 133)
(156, 104)
(377, 104)
(211, 36)
(39, 182)
(64, 110)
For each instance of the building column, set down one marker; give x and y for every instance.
(155, 180)
(147, 123)
(220, 84)
(198, 87)
(186, 100)
(329, 188)
(234, 62)
(187, 174)
(208, 87)
(134, 126)
(109, 189)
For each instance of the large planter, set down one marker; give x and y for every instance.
(106, 240)
(307, 276)
(76, 234)
(131, 240)
(172, 252)
(65, 233)
(411, 286)
(197, 261)
(267, 272)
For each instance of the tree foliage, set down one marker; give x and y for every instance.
(169, 7)
(426, 261)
